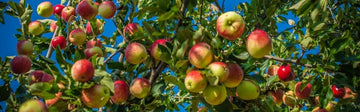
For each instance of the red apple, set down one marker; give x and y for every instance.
(77, 36)
(20, 64)
(236, 75)
(318, 109)
(58, 41)
(215, 95)
(96, 96)
(258, 44)
(273, 70)
(107, 9)
(53, 26)
(91, 43)
(82, 70)
(289, 98)
(200, 55)
(132, 28)
(156, 52)
(39, 76)
(68, 14)
(277, 95)
(33, 106)
(36, 27)
(54, 100)
(303, 94)
(338, 92)
(87, 9)
(195, 81)
(45, 9)
(121, 93)
(230, 25)
(140, 87)
(218, 69)
(285, 73)
(25, 47)
(99, 27)
(135, 53)
(89, 52)
(248, 90)
(58, 9)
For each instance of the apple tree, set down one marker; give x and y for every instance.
(183, 55)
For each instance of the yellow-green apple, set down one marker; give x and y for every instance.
(156, 52)
(349, 94)
(89, 52)
(195, 81)
(258, 44)
(135, 53)
(96, 96)
(107, 9)
(318, 109)
(87, 9)
(272, 70)
(121, 93)
(132, 28)
(39, 76)
(58, 41)
(77, 36)
(82, 70)
(45, 9)
(20, 64)
(236, 75)
(289, 98)
(200, 55)
(330, 107)
(230, 25)
(285, 73)
(338, 91)
(54, 100)
(277, 95)
(91, 43)
(36, 27)
(218, 69)
(33, 106)
(248, 90)
(25, 47)
(68, 13)
(140, 87)
(99, 28)
(53, 26)
(303, 94)
(215, 95)
(58, 9)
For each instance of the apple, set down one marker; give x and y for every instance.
(107, 9)
(156, 52)
(195, 81)
(318, 109)
(99, 26)
(39, 76)
(140, 87)
(338, 92)
(132, 28)
(77, 36)
(36, 27)
(25, 47)
(218, 69)
(258, 44)
(230, 25)
(58, 41)
(68, 14)
(303, 94)
(91, 43)
(33, 106)
(121, 93)
(317, 100)
(289, 98)
(20, 64)
(272, 70)
(236, 75)
(200, 55)
(87, 9)
(349, 94)
(277, 95)
(248, 90)
(135, 53)
(82, 70)
(54, 100)
(215, 95)
(45, 9)
(89, 52)
(58, 9)
(53, 26)
(96, 96)
(330, 107)
(285, 73)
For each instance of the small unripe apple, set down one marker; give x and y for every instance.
(132, 28)
(258, 44)
(45, 9)
(303, 94)
(285, 73)
(33, 106)
(107, 9)
(87, 9)
(230, 25)
(82, 70)
(277, 95)
(215, 95)
(77, 37)
(218, 69)
(121, 93)
(195, 81)
(39, 76)
(89, 52)
(289, 98)
(135, 53)
(68, 13)
(54, 100)
(96, 96)
(58, 41)
(236, 75)
(140, 87)
(200, 55)
(20, 64)
(99, 26)
(58, 9)
(248, 90)
(36, 27)
(53, 26)
(338, 92)
(272, 70)
(25, 47)
(156, 52)
(91, 43)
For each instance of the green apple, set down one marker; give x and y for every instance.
(33, 106)
(215, 95)
(248, 90)
(96, 96)
(36, 27)
(258, 44)
(230, 25)
(89, 52)
(45, 9)
(195, 81)
(77, 37)
(218, 69)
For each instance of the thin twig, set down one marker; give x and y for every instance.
(120, 49)
(157, 72)
(289, 61)
(217, 4)
(113, 54)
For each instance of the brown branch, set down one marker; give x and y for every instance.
(217, 4)
(289, 61)
(156, 72)
(113, 54)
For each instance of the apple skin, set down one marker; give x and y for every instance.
(87, 9)
(215, 95)
(39, 76)
(338, 92)
(53, 26)
(285, 73)
(200, 55)
(140, 87)
(305, 93)
(91, 43)
(33, 106)
(156, 53)
(330, 107)
(96, 96)
(258, 44)
(107, 9)
(289, 98)
(45, 9)
(235, 77)
(58, 9)
(20, 64)
(68, 14)
(36, 27)
(230, 25)
(121, 93)
(99, 26)
(89, 52)
(77, 36)
(272, 70)
(277, 95)
(218, 69)
(82, 70)
(132, 28)
(135, 53)
(195, 81)
(248, 90)
(25, 47)
(59, 40)
(54, 100)
(317, 109)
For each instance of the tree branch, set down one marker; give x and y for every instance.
(221, 8)
(289, 61)
(156, 72)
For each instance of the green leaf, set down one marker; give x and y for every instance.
(108, 82)
(41, 89)
(63, 1)
(305, 42)
(157, 89)
(306, 81)
(243, 55)
(5, 91)
(47, 60)
(226, 106)
(176, 81)
(271, 79)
